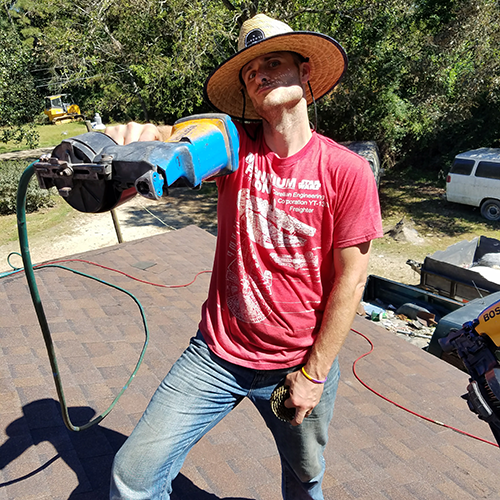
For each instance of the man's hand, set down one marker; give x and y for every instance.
(350, 276)
(304, 396)
(133, 132)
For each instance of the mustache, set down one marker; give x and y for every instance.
(265, 84)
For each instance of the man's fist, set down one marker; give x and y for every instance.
(134, 132)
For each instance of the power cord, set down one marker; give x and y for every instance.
(56, 264)
(59, 261)
(431, 420)
(35, 296)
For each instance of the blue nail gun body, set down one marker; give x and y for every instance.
(94, 174)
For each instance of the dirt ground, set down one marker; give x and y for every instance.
(138, 218)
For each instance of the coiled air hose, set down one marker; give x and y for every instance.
(35, 296)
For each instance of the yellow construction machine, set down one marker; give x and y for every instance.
(59, 111)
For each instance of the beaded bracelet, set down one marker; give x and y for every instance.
(308, 377)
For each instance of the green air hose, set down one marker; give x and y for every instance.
(35, 296)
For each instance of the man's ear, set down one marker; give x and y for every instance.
(305, 72)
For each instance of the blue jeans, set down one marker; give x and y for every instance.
(197, 393)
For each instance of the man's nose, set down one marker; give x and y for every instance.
(261, 77)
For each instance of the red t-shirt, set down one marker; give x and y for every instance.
(279, 220)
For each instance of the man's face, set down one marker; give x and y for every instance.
(275, 79)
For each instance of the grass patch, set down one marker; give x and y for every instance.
(39, 223)
(422, 201)
(50, 135)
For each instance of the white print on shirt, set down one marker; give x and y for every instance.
(249, 286)
(266, 225)
(307, 184)
(297, 261)
(246, 297)
(264, 181)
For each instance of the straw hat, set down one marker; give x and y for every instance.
(261, 35)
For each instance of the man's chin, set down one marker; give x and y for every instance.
(272, 98)
(272, 104)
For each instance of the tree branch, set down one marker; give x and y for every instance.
(229, 5)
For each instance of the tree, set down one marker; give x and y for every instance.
(422, 78)
(129, 59)
(18, 99)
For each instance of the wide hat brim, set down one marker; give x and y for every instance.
(328, 60)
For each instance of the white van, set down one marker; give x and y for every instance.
(474, 179)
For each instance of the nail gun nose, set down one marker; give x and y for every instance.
(150, 185)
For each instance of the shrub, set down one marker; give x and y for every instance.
(10, 173)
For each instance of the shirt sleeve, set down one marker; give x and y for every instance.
(357, 217)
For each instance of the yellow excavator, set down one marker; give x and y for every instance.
(60, 112)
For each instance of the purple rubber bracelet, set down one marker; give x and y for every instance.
(308, 377)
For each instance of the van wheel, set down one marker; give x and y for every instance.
(490, 209)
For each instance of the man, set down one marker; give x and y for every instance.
(295, 223)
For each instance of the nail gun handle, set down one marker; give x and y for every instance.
(94, 174)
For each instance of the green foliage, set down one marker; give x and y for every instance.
(18, 98)
(422, 78)
(129, 59)
(19, 134)
(10, 173)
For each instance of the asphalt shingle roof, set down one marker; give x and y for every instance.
(376, 450)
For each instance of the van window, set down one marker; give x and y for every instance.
(462, 167)
(489, 169)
